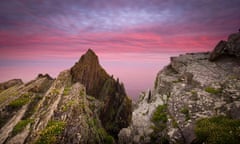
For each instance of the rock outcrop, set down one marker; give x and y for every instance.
(229, 47)
(82, 105)
(186, 91)
(89, 72)
(10, 83)
(117, 109)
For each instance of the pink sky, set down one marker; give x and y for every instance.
(133, 39)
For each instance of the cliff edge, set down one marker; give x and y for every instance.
(196, 99)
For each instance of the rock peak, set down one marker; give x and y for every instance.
(89, 72)
(90, 52)
(89, 57)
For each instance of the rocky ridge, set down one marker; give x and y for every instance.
(186, 91)
(65, 109)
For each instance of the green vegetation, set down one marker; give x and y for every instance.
(104, 136)
(107, 139)
(160, 114)
(70, 103)
(55, 92)
(185, 111)
(194, 92)
(32, 107)
(174, 123)
(178, 80)
(212, 90)
(194, 95)
(51, 132)
(81, 93)
(218, 130)
(66, 91)
(19, 102)
(19, 127)
(91, 98)
(8, 93)
(159, 118)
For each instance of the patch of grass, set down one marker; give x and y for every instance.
(8, 93)
(194, 92)
(218, 130)
(81, 93)
(174, 123)
(159, 117)
(66, 91)
(19, 127)
(51, 132)
(19, 102)
(160, 114)
(107, 139)
(178, 80)
(185, 111)
(212, 90)
(32, 107)
(70, 103)
(90, 98)
(194, 95)
(55, 92)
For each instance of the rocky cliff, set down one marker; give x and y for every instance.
(82, 105)
(196, 99)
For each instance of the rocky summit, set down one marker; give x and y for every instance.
(82, 105)
(196, 99)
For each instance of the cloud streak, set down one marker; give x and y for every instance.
(62, 30)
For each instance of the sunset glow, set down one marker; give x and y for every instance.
(133, 39)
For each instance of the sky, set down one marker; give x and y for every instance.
(133, 39)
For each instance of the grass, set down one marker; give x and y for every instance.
(66, 91)
(159, 118)
(55, 92)
(81, 93)
(160, 114)
(212, 90)
(218, 130)
(19, 102)
(174, 123)
(107, 139)
(19, 127)
(177, 81)
(32, 107)
(185, 111)
(70, 103)
(51, 132)
(8, 93)
(194, 95)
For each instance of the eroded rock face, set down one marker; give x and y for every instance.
(191, 87)
(82, 105)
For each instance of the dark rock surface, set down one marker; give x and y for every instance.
(229, 47)
(89, 72)
(116, 113)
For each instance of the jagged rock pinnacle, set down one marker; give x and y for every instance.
(89, 57)
(89, 72)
